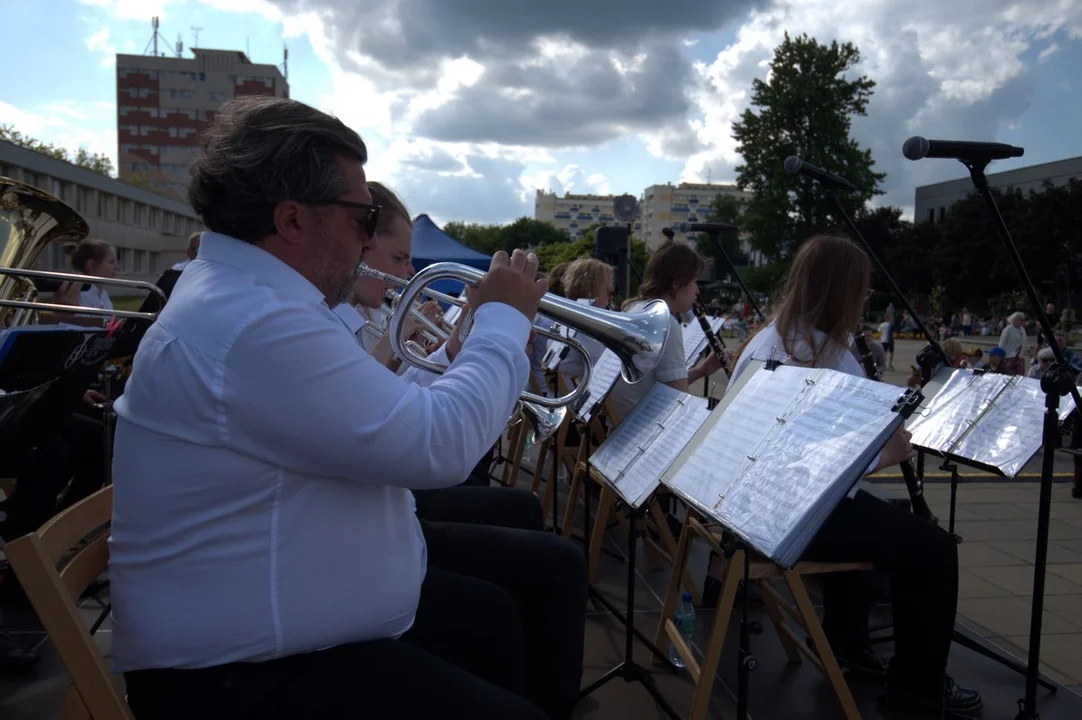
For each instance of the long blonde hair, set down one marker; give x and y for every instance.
(585, 277)
(825, 290)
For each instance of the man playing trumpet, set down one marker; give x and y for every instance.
(265, 558)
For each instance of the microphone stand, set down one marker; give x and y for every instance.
(928, 358)
(912, 483)
(1056, 382)
(714, 238)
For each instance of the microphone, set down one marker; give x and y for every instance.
(918, 148)
(706, 227)
(794, 165)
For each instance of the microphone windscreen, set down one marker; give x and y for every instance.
(793, 164)
(916, 148)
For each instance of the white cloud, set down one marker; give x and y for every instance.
(948, 69)
(99, 43)
(1048, 52)
(67, 124)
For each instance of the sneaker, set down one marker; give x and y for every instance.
(957, 702)
(865, 664)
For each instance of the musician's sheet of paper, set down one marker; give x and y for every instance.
(695, 338)
(603, 376)
(785, 452)
(557, 351)
(645, 443)
(990, 420)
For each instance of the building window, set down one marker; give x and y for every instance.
(139, 261)
(137, 213)
(119, 205)
(931, 215)
(103, 203)
(152, 263)
(123, 259)
(155, 215)
(942, 213)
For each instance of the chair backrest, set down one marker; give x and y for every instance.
(53, 594)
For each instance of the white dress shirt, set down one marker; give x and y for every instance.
(181, 265)
(263, 465)
(96, 297)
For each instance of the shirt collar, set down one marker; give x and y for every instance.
(226, 250)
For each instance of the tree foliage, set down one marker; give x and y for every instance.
(724, 209)
(96, 162)
(525, 233)
(805, 108)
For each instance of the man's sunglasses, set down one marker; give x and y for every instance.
(371, 220)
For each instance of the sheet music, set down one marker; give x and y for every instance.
(825, 434)
(695, 338)
(995, 421)
(603, 377)
(643, 446)
(722, 455)
(785, 452)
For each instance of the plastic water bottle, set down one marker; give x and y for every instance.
(684, 619)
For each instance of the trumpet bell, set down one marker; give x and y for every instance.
(543, 421)
(636, 338)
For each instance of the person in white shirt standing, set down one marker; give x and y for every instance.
(822, 301)
(886, 339)
(265, 557)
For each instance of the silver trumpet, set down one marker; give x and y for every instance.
(635, 338)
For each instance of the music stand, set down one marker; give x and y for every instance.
(657, 428)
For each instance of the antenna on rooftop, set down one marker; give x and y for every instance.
(285, 62)
(179, 46)
(195, 34)
(153, 44)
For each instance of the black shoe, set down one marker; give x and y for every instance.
(14, 659)
(957, 702)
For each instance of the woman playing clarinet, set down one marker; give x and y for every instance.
(822, 300)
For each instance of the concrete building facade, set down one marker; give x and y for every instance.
(163, 103)
(575, 214)
(150, 232)
(669, 205)
(932, 202)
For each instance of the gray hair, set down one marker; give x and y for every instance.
(260, 151)
(1016, 316)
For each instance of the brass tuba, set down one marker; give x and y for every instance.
(30, 219)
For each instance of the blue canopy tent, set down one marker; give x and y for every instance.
(432, 245)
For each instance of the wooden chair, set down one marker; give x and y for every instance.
(801, 612)
(93, 693)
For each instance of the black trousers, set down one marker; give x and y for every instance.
(921, 560)
(75, 452)
(498, 635)
(497, 506)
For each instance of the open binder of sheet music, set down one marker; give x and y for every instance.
(695, 338)
(774, 461)
(603, 377)
(638, 452)
(988, 421)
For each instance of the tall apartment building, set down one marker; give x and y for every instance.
(932, 201)
(575, 214)
(164, 102)
(150, 232)
(668, 206)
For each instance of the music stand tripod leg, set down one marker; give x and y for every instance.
(629, 670)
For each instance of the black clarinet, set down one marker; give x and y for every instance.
(712, 339)
(912, 483)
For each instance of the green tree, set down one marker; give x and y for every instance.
(724, 209)
(805, 108)
(527, 233)
(552, 254)
(98, 163)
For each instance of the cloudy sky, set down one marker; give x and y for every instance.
(469, 106)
